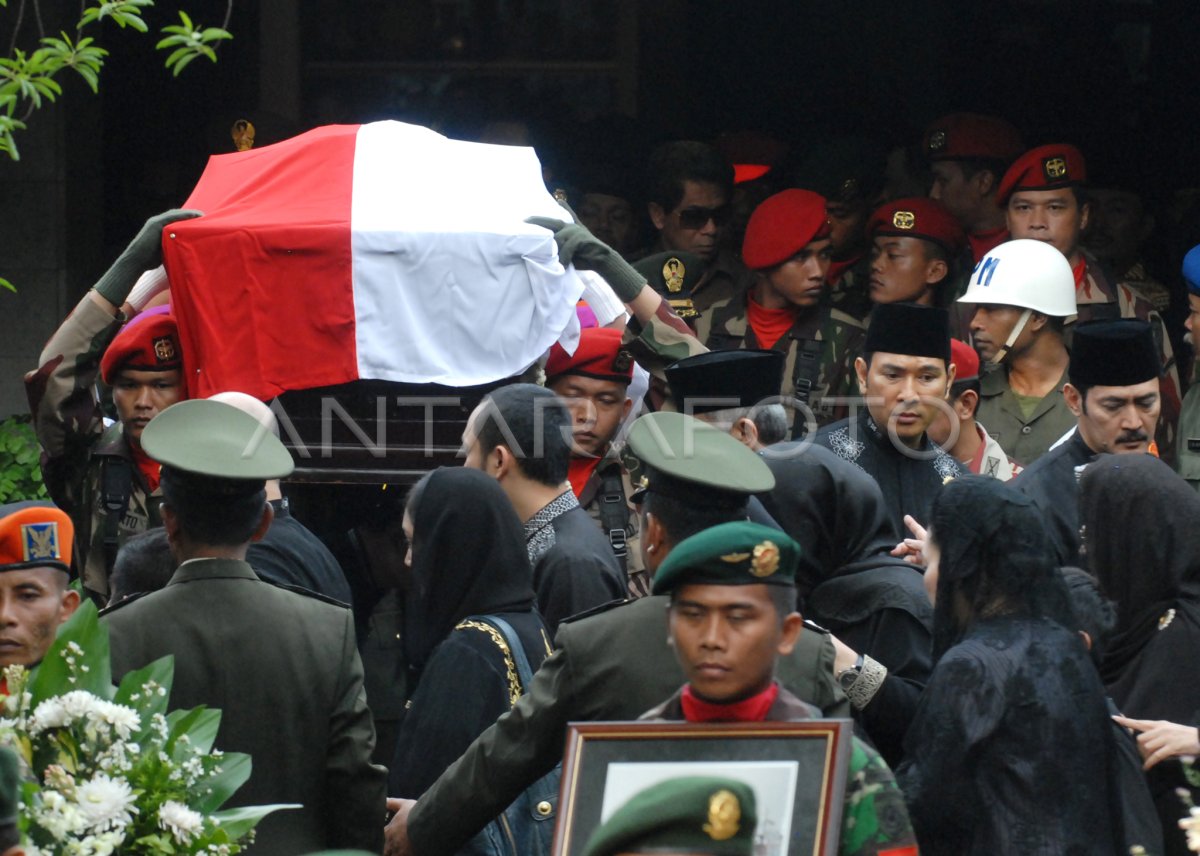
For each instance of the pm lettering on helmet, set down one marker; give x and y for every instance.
(985, 270)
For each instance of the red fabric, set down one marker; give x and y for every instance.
(918, 217)
(150, 342)
(743, 172)
(273, 217)
(769, 325)
(753, 709)
(782, 226)
(1083, 288)
(964, 359)
(971, 135)
(836, 269)
(598, 355)
(579, 471)
(147, 466)
(983, 243)
(1043, 168)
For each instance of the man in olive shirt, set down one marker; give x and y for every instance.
(614, 664)
(1022, 293)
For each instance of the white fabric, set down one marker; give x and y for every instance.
(603, 301)
(450, 284)
(149, 284)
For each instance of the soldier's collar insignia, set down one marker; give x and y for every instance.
(904, 220)
(937, 140)
(40, 541)
(724, 816)
(766, 559)
(684, 307)
(1055, 168)
(164, 349)
(734, 558)
(673, 273)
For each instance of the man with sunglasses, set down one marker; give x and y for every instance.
(690, 186)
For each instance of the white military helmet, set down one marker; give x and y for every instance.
(1031, 275)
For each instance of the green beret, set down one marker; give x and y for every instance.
(699, 814)
(10, 785)
(730, 554)
(680, 456)
(211, 438)
(673, 275)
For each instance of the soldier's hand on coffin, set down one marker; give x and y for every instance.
(578, 246)
(143, 253)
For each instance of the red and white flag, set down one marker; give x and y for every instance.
(380, 251)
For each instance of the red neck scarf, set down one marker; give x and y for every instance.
(836, 268)
(148, 467)
(1080, 271)
(983, 243)
(769, 325)
(753, 709)
(579, 471)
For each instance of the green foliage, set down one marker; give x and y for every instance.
(27, 80)
(20, 473)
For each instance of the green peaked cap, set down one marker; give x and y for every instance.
(730, 554)
(689, 459)
(210, 438)
(697, 814)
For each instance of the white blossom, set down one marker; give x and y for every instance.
(124, 720)
(183, 823)
(107, 803)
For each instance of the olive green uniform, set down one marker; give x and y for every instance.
(821, 347)
(614, 665)
(1189, 438)
(1023, 439)
(78, 453)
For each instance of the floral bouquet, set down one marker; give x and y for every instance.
(109, 770)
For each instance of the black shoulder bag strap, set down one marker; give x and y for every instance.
(116, 484)
(614, 514)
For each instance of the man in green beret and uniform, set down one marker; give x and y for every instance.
(732, 615)
(688, 816)
(615, 662)
(282, 666)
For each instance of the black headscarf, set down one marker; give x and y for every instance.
(469, 558)
(1142, 541)
(995, 550)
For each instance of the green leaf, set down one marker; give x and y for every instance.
(214, 791)
(54, 675)
(182, 63)
(161, 672)
(212, 34)
(4, 283)
(239, 821)
(199, 725)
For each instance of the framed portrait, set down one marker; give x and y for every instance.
(797, 771)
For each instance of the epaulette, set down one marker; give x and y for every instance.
(115, 606)
(595, 610)
(306, 592)
(816, 628)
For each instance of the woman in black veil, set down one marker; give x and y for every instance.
(468, 560)
(1141, 539)
(1011, 750)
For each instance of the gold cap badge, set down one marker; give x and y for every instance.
(1055, 167)
(673, 272)
(734, 558)
(724, 815)
(242, 133)
(766, 559)
(39, 541)
(904, 220)
(164, 349)
(937, 141)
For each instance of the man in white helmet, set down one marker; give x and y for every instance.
(1023, 292)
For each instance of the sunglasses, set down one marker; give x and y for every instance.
(697, 217)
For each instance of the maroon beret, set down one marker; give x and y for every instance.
(918, 217)
(964, 359)
(969, 135)
(782, 226)
(598, 355)
(148, 343)
(1044, 168)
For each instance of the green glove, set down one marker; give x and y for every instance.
(578, 246)
(143, 253)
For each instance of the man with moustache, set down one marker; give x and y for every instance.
(1114, 394)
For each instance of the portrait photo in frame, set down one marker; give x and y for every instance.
(797, 771)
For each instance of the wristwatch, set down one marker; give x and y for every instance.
(847, 677)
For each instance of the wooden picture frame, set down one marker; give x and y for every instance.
(797, 769)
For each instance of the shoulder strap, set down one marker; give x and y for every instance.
(514, 645)
(116, 484)
(614, 513)
(807, 370)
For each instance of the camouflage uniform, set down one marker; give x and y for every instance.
(850, 289)
(823, 334)
(78, 451)
(591, 498)
(1099, 297)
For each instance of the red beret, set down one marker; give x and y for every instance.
(148, 343)
(598, 355)
(782, 226)
(35, 536)
(969, 135)
(1043, 168)
(964, 359)
(918, 217)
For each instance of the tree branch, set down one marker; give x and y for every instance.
(17, 28)
(37, 13)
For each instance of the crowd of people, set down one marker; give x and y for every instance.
(925, 462)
